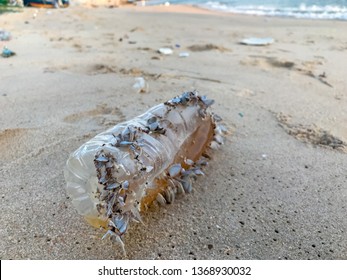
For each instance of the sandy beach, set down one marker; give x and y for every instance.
(277, 189)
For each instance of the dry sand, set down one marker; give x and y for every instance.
(276, 190)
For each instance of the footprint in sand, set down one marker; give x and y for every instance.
(266, 62)
(207, 47)
(59, 39)
(102, 114)
(307, 68)
(136, 29)
(93, 69)
(101, 68)
(78, 47)
(311, 134)
(14, 143)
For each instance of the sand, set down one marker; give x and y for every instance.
(276, 190)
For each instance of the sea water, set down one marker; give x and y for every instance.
(8, 6)
(314, 9)
(3, 6)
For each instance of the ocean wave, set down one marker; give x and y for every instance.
(302, 11)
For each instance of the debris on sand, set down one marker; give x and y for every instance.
(253, 41)
(7, 52)
(165, 51)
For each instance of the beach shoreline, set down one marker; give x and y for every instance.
(275, 190)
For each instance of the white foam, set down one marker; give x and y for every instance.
(302, 11)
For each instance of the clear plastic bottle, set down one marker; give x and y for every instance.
(115, 175)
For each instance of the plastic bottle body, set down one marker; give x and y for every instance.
(109, 176)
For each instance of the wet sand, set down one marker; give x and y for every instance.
(276, 190)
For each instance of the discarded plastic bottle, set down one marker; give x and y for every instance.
(121, 171)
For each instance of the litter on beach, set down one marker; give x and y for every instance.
(7, 52)
(5, 35)
(165, 51)
(253, 41)
(141, 85)
(184, 54)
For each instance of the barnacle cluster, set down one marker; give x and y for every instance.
(149, 159)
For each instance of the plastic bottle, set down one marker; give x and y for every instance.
(119, 172)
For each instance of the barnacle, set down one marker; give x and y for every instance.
(151, 158)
